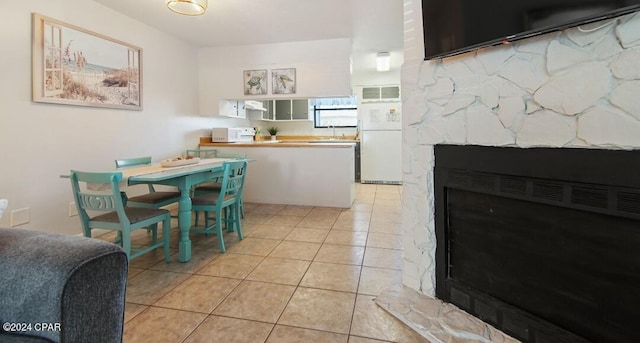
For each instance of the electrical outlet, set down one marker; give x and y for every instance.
(73, 211)
(20, 216)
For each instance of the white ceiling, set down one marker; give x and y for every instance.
(373, 25)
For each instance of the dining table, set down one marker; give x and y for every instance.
(184, 177)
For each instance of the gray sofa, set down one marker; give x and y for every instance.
(60, 288)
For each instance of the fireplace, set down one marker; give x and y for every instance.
(542, 243)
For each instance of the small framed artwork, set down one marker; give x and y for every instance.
(74, 66)
(255, 82)
(283, 81)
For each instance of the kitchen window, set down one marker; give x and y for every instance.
(334, 112)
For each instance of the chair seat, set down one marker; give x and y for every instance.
(135, 215)
(209, 187)
(154, 197)
(209, 199)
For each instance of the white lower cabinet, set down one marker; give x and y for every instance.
(314, 176)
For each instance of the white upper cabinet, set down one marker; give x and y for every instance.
(286, 109)
(380, 93)
(232, 108)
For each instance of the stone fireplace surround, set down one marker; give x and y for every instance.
(572, 89)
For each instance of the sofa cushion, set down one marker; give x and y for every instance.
(75, 281)
(15, 338)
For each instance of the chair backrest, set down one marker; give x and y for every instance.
(231, 155)
(202, 153)
(136, 161)
(233, 182)
(97, 201)
(130, 162)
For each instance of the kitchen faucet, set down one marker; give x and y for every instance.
(334, 130)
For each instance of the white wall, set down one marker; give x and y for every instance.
(298, 128)
(39, 142)
(365, 73)
(574, 88)
(322, 69)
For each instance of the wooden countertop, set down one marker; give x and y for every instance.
(286, 142)
(282, 144)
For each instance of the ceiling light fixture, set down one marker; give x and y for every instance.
(188, 7)
(383, 61)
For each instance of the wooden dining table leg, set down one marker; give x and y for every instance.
(184, 221)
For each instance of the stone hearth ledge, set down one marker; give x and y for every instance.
(437, 321)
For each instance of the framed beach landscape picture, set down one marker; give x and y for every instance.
(74, 66)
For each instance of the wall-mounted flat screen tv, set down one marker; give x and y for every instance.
(453, 27)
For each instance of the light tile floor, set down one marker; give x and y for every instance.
(302, 274)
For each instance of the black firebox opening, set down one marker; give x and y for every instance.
(544, 244)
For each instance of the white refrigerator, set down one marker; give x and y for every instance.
(381, 142)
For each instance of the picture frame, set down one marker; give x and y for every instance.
(255, 82)
(75, 66)
(283, 81)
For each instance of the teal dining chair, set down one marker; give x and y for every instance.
(225, 204)
(215, 185)
(152, 199)
(231, 155)
(106, 210)
(202, 153)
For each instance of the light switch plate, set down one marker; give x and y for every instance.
(20, 216)
(73, 211)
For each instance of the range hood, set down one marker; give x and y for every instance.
(254, 105)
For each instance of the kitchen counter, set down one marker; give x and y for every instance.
(286, 144)
(297, 172)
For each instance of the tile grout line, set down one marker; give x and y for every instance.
(296, 287)
(364, 254)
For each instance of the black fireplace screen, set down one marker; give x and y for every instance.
(539, 242)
